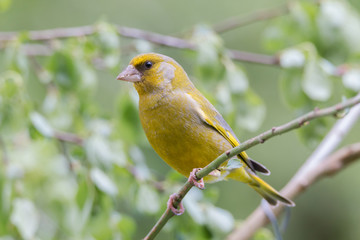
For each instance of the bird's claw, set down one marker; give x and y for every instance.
(199, 183)
(170, 204)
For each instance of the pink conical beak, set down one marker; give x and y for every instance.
(130, 74)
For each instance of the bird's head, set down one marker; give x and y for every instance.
(152, 73)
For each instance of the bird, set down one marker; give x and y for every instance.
(185, 129)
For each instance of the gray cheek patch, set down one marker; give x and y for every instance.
(168, 72)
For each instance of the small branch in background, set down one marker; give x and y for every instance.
(332, 165)
(317, 166)
(253, 57)
(294, 124)
(65, 152)
(37, 49)
(5, 156)
(158, 185)
(69, 137)
(240, 21)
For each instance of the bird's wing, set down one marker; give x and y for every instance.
(209, 115)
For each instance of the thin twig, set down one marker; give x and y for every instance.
(65, 152)
(294, 124)
(69, 137)
(160, 39)
(305, 176)
(240, 21)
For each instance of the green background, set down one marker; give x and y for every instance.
(328, 210)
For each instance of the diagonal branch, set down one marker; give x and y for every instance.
(294, 124)
(308, 173)
(334, 163)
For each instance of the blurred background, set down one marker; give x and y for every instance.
(75, 161)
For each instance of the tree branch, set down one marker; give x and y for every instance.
(294, 124)
(309, 173)
(68, 137)
(160, 39)
(334, 164)
(240, 21)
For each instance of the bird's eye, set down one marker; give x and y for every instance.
(148, 64)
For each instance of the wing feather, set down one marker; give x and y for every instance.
(214, 119)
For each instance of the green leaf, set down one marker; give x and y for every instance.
(103, 182)
(41, 124)
(129, 128)
(25, 217)
(127, 227)
(291, 88)
(209, 51)
(147, 200)
(15, 58)
(264, 234)
(220, 219)
(108, 42)
(250, 110)
(236, 77)
(233, 164)
(315, 83)
(313, 132)
(62, 67)
(292, 58)
(205, 213)
(351, 79)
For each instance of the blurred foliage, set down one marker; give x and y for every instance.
(69, 171)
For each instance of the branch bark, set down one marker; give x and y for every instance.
(160, 39)
(334, 164)
(317, 166)
(294, 124)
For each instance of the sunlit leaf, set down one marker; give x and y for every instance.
(15, 58)
(147, 200)
(233, 164)
(351, 79)
(220, 219)
(313, 132)
(315, 82)
(62, 68)
(236, 77)
(127, 226)
(292, 58)
(108, 41)
(250, 110)
(264, 234)
(25, 217)
(291, 88)
(41, 124)
(209, 51)
(103, 182)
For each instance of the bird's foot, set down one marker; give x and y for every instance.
(199, 183)
(170, 204)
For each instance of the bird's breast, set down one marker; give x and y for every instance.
(178, 135)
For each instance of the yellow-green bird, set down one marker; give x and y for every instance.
(183, 127)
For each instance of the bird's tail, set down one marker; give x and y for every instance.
(268, 192)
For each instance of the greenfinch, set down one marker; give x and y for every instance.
(184, 128)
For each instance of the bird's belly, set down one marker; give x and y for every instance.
(183, 141)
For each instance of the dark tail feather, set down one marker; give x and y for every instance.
(257, 167)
